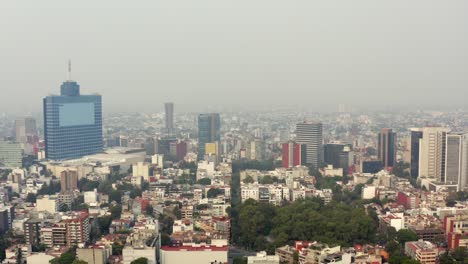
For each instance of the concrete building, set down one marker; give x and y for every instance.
(11, 155)
(91, 196)
(395, 220)
(32, 234)
(368, 192)
(26, 134)
(133, 252)
(293, 154)
(416, 135)
(257, 150)
(263, 258)
(93, 255)
(39, 258)
(423, 251)
(310, 134)
(456, 159)
(78, 228)
(194, 254)
(48, 203)
(386, 148)
(7, 215)
(432, 147)
(142, 169)
(68, 180)
(456, 230)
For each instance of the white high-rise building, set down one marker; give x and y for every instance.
(456, 160)
(432, 147)
(310, 134)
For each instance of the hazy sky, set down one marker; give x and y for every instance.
(198, 53)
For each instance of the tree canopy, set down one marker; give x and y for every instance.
(140, 261)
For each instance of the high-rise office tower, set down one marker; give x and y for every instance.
(432, 148)
(310, 134)
(456, 160)
(416, 135)
(72, 123)
(26, 134)
(337, 154)
(387, 147)
(169, 107)
(293, 154)
(24, 128)
(208, 131)
(256, 149)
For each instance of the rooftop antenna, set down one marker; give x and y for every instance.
(69, 69)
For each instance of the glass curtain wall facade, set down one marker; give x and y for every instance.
(72, 123)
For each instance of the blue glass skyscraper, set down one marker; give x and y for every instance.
(208, 131)
(72, 123)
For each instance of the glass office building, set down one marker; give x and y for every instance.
(208, 131)
(72, 123)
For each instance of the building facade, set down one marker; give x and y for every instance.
(432, 148)
(72, 123)
(11, 155)
(311, 135)
(293, 154)
(169, 111)
(387, 147)
(209, 126)
(416, 135)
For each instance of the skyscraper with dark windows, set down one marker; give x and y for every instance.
(169, 112)
(416, 135)
(337, 154)
(387, 147)
(310, 134)
(72, 123)
(208, 131)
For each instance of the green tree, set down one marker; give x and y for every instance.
(295, 257)
(79, 261)
(248, 180)
(86, 185)
(204, 181)
(116, 211)
(63, 208)
(165, 239)
(149, 210)
(31, 198)
(460, 255)
(140, 261)
(214, 192)
(406, 235)
(240, 260)
(65, 258)
(267, 179)
(117, 247)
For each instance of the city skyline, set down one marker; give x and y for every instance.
(233, 132)
(172, 52)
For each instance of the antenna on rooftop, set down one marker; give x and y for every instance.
(69, 69)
